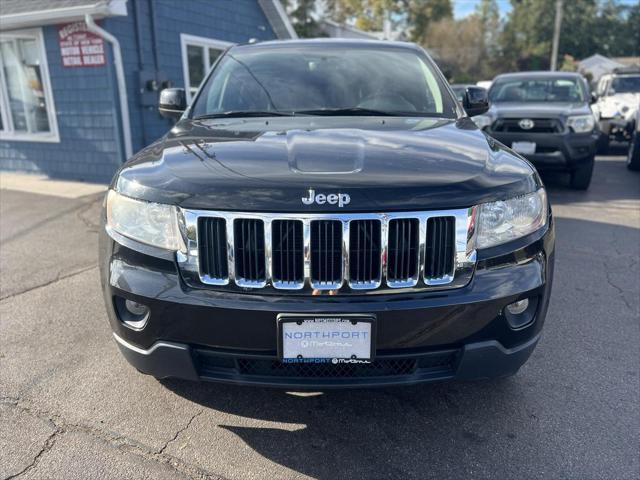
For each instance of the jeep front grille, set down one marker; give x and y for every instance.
(365, 254)
(404, 238)
(332, 253)
(212, 238)
(249, 241)
(440, 260)
(287, 266)
(326, 254)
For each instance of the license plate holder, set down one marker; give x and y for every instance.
(524, 148)
(326, 338)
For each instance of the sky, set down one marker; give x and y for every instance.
(462, 8)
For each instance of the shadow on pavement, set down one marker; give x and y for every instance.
(362, 433)
(456, 430)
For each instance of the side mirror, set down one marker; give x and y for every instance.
(611, 92)
(476, 101)
(173, 102)
(593, 98)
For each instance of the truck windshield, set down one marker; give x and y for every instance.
(626, 84)
(536, 90)
(324, 81)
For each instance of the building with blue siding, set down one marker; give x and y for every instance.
(65, 110)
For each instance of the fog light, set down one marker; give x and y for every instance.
(136, 308)
(133, 314)
(516, 308)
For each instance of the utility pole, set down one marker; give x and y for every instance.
(556, 36)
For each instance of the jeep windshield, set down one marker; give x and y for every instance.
(538, 89)
(323, 80)
(626, 84)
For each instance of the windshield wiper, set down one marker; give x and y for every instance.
(360, 111)
(350, 111)
(245, 113)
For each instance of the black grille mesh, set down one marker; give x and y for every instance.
(210, 363)
(212, 238)
(326, 251)
(287, 251)
(249, 249)
(404, 234)
(440, 244)
(364, 251)
(378, 368)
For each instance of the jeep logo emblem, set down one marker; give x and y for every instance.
(526, 124)
(341, 199)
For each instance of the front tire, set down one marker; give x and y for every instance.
(602, 145)
(633, 157)
(581, 176)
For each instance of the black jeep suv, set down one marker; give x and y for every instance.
(326, 214)
(546, 117)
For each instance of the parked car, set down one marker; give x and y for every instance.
(618, 102)
(460, 90)
(545, 116)
(633, 156)
(325, 214)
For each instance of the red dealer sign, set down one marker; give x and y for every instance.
(80, 47)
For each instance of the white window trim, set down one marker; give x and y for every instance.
(8, 133)
(186, 40)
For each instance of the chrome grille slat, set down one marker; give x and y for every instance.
(287, 256)
(439, 252)
(250, 258)
(404, 252)
(326, 254)
(364, 253)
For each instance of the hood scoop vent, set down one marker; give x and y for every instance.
(325, 152)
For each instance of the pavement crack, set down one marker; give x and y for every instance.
(175, 437)
(58, 278)
(621, 292)
(48, 444)
(111, 438)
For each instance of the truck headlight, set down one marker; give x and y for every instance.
(147, 222)
(482, 121)
(505, 220)
(581, 123)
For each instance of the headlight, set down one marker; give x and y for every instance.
(147, 222)
(581, 123)
(482, 121)
(506, 220)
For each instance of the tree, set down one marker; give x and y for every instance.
(458, 48)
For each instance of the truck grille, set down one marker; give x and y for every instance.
(312, 253)
(540, 125)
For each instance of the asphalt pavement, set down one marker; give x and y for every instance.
(71, 407)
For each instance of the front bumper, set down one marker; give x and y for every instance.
(617, 128)
(554, 151)
(200, 334)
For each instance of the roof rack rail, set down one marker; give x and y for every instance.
(630, 69)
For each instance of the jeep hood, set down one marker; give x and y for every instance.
(269, 164)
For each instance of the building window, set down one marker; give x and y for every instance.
(198, 56)
(26, 103)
